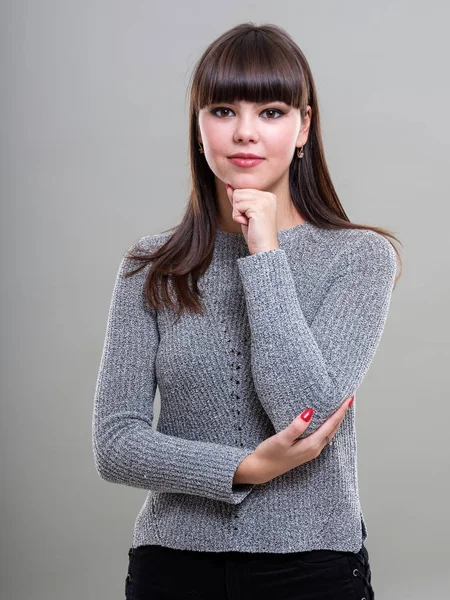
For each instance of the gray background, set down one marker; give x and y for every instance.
(94, 155)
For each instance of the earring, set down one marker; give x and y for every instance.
(300, 152)
(200, 148)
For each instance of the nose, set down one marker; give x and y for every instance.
(246, 129)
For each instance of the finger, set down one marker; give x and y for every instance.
(332, 422)
(298, 425)
(342, 408)
(330, 436)
(230, 191)
(342, 411)
(239, 216)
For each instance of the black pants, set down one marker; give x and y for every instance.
(160, 573)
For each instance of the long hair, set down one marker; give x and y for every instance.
(256, 64)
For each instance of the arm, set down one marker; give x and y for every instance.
(296, 365)
(127, 450)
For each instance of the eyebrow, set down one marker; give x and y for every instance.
(271, 102)
(258, 103)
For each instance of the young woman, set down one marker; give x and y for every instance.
(258, 317)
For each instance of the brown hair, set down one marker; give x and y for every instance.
(257, 64)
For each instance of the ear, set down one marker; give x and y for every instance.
(303, 133)
(198, 132)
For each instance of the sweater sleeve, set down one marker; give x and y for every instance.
(296, 365)
(127, 450)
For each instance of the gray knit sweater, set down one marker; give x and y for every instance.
(285, 329)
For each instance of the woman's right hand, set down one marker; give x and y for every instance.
(283, 451)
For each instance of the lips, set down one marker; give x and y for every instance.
(245, 155)
(246, 162)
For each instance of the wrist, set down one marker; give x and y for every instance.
(267, 249)
(244, 473)
(248, 471)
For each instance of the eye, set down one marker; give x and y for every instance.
(271, 110)
(215, 110)
(274, 110)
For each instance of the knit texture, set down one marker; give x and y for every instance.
(284, 330)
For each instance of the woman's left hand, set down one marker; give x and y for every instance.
(256, 211)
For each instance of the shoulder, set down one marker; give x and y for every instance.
(354, 246)
(369, 250)
(143, 246)
(373, 246)
(149, 243)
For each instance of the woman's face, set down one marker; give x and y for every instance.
(272, 130)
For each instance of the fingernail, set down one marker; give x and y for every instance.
(307, 414)
(351, 401)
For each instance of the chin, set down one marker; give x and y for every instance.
(245, 177)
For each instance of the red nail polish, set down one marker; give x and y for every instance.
(307, 414)
(351, 401)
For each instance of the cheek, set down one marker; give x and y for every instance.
(280, 144)
(211, 133)
(216, 150)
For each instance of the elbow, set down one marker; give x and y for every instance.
(102, 466)
(324, 395)
(102, 460)
(337, 394)
(105, 451)
(325, 400)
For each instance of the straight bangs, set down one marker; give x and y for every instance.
(250, 68)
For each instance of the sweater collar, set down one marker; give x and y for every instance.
(230, 238)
